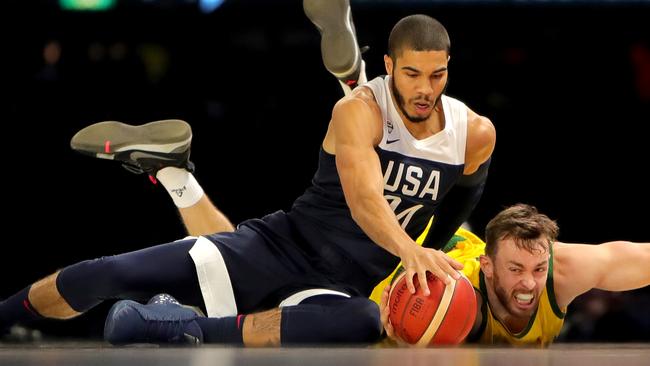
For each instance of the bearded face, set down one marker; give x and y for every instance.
(518, 277)
(418, 79)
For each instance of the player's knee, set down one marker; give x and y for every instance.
(119, 276)
(85, 284)
(361, 321)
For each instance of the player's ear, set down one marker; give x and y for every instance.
(486, 266)
(388, 63)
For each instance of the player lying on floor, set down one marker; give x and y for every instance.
(525, 279)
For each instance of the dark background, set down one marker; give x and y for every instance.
(566, 84)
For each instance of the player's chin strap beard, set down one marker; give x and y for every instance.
(437, 106)
(400, 102)
(400, 99)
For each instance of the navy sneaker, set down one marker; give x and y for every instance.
(141, 149)
(339, 48)
(167, 299)
(163, 299)
(161, 321)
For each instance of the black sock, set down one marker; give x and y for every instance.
(222, 330)
(17, 309)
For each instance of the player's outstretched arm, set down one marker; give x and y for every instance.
(612, 266)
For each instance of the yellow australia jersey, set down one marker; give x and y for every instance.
(543, 327)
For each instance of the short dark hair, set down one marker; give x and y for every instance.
(523, 224)
(417, 32)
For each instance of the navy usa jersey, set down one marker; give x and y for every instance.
(417, 176)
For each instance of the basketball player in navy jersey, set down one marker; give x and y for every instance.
(397, 153)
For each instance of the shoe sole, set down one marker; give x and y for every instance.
(105, 139)
(334, 22)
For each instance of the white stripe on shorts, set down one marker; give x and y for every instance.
(214, 279)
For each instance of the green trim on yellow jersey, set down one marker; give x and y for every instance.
(518, 335)
(550, 288)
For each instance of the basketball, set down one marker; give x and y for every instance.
(445, 317)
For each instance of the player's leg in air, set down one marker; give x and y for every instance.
(160, 149)
(339, 48)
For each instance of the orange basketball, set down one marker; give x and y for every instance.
(445, 317)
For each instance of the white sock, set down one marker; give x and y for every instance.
(181, 186)
(362, 74)
(346, 88)
(362, 79)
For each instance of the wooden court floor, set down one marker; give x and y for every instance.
(71, 353)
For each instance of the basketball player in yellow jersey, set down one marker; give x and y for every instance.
(527, 279)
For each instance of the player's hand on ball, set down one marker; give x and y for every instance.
(445, 317)
(419, 260)
(384, 312)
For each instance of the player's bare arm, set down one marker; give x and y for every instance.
(481, 139)
(356, 129)
(612, 266)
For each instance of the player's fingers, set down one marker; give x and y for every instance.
(447, 273)
(383, 305)
(409, 280)
(383, 313)
(390, 331)
(385, 321)
(384, 296)
(443, 275)
(454, 263)
(422, 278)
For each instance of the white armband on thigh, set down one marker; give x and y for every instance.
(181, 186)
